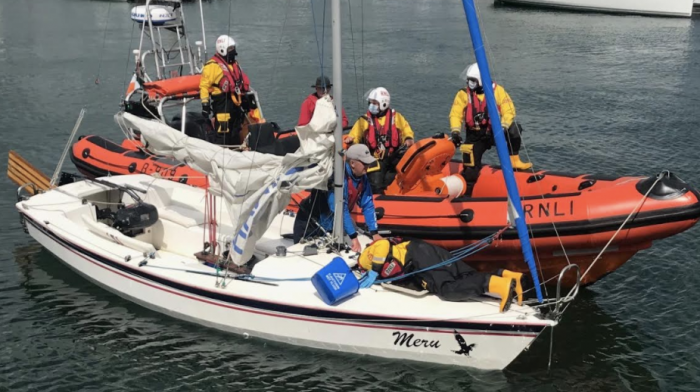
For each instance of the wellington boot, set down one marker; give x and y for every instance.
(504, 288)
(518, 164)
(518, 277)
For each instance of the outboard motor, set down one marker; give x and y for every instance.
(133, 219)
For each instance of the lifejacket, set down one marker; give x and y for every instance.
(354, 193)
(232, 81)
(474, 108)
(392, 266)
(388, 133)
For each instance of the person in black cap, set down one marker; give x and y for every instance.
(323, 86)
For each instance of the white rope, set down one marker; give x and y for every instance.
(56, 172)
(634, 211)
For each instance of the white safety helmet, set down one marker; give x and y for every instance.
(381, 95)
(223, 43)
(471, 72)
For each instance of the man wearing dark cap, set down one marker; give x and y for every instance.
(323, 86)
(316, 211)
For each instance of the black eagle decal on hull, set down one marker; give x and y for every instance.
(465, 348)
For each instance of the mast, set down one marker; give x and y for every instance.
(338, 165)
(501, 145)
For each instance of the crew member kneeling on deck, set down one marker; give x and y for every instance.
(470, 108)
(316, 212)
(385, 131)
(391, 257)
(223, 90)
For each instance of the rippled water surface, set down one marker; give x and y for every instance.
(595, 93)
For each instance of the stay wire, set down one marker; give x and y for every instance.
(318, 46)
(104, 40)
(362, 46)
(128, 58)
(354, 58)
(279, 44)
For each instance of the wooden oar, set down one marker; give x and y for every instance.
(22, 172)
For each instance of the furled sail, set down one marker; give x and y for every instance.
(256, 186)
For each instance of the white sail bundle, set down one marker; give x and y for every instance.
(256, 186)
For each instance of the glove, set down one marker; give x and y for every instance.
(368, 279)
(206, 109)
(456, 139)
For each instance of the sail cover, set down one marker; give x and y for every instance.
(256, 186)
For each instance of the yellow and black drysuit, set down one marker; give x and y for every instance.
(469, 108)
(453, 282)
(226, 83)
(384, 134)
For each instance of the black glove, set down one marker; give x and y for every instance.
(206, 109)
(456, 139)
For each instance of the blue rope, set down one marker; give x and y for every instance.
(457, 255)
(442, 264)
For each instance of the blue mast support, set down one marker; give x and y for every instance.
(501, 145)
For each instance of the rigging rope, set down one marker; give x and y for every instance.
(354, 60)
(319, 48)
(634, 212)
(128, 57)
(279, 44)
(104, 39)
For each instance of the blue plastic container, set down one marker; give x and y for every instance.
(335, 282)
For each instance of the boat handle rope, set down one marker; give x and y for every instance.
(634, 212)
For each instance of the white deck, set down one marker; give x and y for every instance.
(290, 312)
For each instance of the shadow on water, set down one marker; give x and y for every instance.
(128, 346)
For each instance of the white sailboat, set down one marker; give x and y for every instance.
(141, 238)
(674, 8)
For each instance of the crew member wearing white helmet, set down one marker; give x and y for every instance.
(385, 131)
(222, 89)
(469, 108)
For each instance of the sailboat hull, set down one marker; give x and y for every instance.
(370, 323)
(679, 8)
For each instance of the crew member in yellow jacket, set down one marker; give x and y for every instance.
(387, 134)
(392, 257)
(223, 89)
(469, 108)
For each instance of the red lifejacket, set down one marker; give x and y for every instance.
(388, 131)
(232, 82)
(392, 266)
(354, 193)
(475, 107)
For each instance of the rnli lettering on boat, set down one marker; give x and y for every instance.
(546, 209)
(408, 340)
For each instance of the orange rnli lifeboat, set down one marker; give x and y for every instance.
(571, 217)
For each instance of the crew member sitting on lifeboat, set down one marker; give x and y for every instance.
(387, 134)
(224, 89)
(469, 107)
